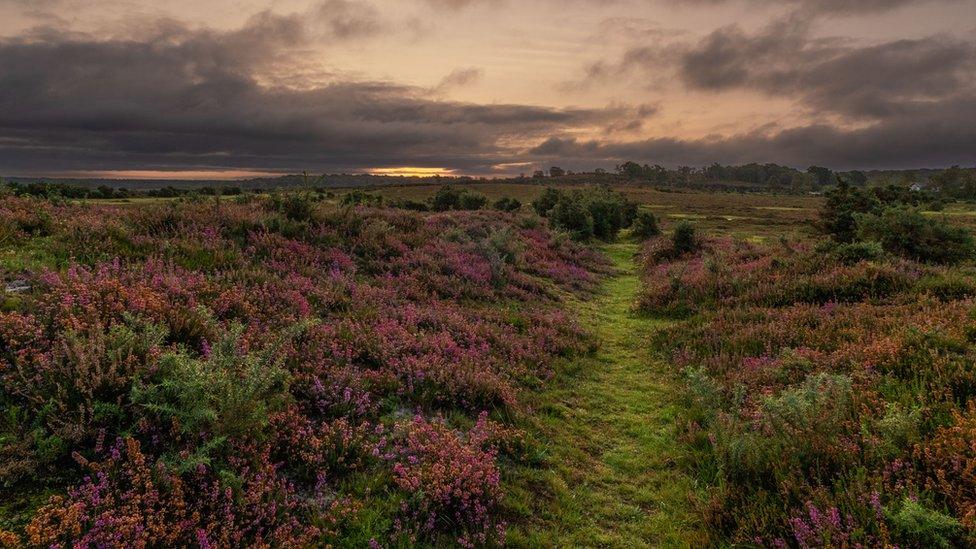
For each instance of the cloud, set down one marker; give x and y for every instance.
(928, 138)
(347, 19)
(199, 97)
(857, 81)
(461, 77)
(455, 5)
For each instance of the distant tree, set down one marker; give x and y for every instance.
(556, 171)
(823, 176)
(837, 216)
(857, 178)
(538, 174)
(631, 170)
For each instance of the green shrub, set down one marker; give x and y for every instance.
(361, 198)
(684, 239)
(850, 253)
(546, 201)
(571, 215)
(910, 234)
(451, 198)
(923, 527)
(801, 431)
(506, 204)
(446, 198)
(843, 203)
(226, 394)
(592, 212)
(644, 226)
(296, 206)
(469, 200)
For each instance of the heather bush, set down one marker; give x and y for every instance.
(450, 479)
(826, 390)
(253, 362)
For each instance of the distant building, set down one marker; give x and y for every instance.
(917, 187)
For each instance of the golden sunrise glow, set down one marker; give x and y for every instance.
(408, 171)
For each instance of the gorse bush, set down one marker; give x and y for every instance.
(224, 394)
(236, 375)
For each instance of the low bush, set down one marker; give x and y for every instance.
(453, 198)
(644, 226)
(507, 204)
(910, 234)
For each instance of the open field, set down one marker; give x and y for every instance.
(747, 215)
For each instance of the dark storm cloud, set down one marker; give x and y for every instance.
(193, 98)
(901, 102)
(859, 81)
(930, 137)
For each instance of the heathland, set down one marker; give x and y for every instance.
(486, 364)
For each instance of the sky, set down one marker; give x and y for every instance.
(239, 88)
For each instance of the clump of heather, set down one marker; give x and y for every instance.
(253, 360)
(451, 480)
(827, 390)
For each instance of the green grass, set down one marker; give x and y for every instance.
(606, 471)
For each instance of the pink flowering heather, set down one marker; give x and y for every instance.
(254, 360)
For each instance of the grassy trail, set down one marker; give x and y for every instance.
(608, 476)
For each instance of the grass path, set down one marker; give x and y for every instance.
(607, 472)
